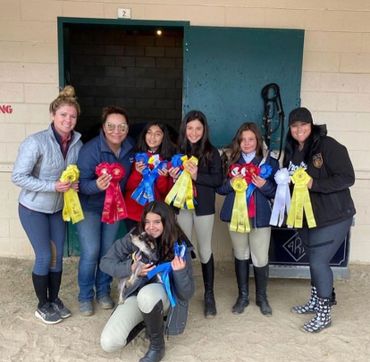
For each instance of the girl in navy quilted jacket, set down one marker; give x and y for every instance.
(247, 148)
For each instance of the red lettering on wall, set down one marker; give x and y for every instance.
(6, 108)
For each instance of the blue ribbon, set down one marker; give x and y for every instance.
(165, 269)
(265, 171)
(144, 192)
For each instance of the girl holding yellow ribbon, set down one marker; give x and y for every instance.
(249, 232)
(322, 170)
(41, 160)
(206, 175)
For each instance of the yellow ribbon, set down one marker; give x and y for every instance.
(239, 216)
(300, 201)
(72, 210)
(181, 192)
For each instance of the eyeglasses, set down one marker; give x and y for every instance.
(121, 128)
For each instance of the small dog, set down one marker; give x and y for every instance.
(147, 249)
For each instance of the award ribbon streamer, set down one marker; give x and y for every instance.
(165, 269)
(263, 171)
(300, 201)
(239, 216)
(72, 210)
(282, 197)
(181, 194)
(144, 193)
(114, 208)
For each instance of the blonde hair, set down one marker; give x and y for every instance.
(67, 96)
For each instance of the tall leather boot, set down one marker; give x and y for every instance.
(154, 327)
(261, 276)
(208, 271)
(322, 318)
(242, 278)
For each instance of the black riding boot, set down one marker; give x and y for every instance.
(261, 276)
(208, 271)
(154, 327)
(242, 278)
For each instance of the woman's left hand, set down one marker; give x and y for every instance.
(178, 263)
(75, 186)
(258, 181)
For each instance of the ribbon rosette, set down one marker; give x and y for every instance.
(182, 193)
(72, 210)
(300, 201)
(239, 216)
(263, 171)
(114, 208)
(165, 269)
(144, 193)
(282, 197)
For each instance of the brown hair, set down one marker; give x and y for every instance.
(235, 145)
(67, 96)
(113, 110)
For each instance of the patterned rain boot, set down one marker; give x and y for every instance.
(323, 317)
(310, 306)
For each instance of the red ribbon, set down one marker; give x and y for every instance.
(114, 208)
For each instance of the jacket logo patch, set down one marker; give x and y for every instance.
(317, 160)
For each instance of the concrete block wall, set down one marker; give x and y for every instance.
(335, 79)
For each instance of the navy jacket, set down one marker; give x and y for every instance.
(262, 197)
(91, 154)
(208, 179)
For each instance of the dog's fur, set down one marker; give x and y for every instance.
(147, 249)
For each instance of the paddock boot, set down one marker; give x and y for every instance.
(155, 329)
(208, 271)
(323, 317)
(261, 276)
(310, 306)
(242, 278)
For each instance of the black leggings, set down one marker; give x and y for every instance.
(321, 244)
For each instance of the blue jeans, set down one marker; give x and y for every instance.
(46, 233)
(95, 240)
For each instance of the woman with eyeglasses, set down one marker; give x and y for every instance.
(112, 145)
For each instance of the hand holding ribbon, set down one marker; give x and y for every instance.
(72, 210)
(300, 201)
(282, 197)
(144, 193)
(114, 208)
(165, 269)
(182, 193)
(239, 216)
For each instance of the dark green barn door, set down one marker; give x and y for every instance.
(225, 70)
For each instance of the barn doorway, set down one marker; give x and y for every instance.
(138, 67)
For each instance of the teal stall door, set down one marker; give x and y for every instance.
(225, 70)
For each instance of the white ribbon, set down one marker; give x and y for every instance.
(282, 197)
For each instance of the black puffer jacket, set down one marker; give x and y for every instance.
(329, 165)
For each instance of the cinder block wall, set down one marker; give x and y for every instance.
(335, 80)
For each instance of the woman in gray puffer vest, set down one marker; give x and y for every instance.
(42, 157)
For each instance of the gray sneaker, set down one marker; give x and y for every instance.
(106, 302)
(47, 314)
(86, 308)
(59, 307)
